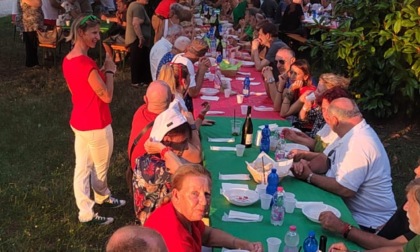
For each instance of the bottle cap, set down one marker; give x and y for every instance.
(292, 228)
(279, 189)
(311, 233)
(274, 170)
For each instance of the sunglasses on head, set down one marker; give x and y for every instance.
(88, 18)
(281, 62)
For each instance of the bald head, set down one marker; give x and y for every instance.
(158, 96)
(136, 239)
(344, 109)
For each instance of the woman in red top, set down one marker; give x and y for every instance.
(91, 89)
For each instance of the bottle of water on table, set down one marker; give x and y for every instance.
(247, 87)
(273, 181)
(277, 209)
(291, 240)
(310, 244)
(265, 139)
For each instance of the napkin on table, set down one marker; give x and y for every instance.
(263, 108)
(234, 176)
(214, 112)
(258, 93)
(301, 204)
(222, 148)
(221, 140)
(254, 83)
(209, 98)
(243, 78)
(243, 73)
(236, 216)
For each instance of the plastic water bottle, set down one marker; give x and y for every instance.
(273, 181)
(277, 209)
(291, 240)
(310, 244)
(247, 85)
(280, 152)
(213, 46)
(265, 140)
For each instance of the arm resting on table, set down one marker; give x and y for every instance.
(213, 237)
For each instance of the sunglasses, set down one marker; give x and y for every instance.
(88, 18)
(181, 146)
(281, 62)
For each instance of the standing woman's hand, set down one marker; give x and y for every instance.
(109, 64)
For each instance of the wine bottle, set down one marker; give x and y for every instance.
(247, 130)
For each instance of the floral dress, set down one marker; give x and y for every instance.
(32, 18)
(151, 185)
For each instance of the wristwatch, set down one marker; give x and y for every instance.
(270, 80)
(193, 127)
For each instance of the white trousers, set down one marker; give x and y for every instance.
(93, 151)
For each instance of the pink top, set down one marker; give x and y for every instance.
(164, 7)
(89, 111)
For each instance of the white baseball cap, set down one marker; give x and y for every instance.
(166, 121)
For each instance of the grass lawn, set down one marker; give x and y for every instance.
(38, 211)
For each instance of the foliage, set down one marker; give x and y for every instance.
(377, 44)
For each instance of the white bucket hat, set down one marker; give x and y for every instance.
(166, 121)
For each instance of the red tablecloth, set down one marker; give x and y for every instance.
(229, 105)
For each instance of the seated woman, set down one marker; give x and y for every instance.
(248, 24)
(292, 19)
(169, 137)
(323, 137)
(180, 221)
(178, 79)
(293, 99)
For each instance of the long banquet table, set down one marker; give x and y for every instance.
(226, 162)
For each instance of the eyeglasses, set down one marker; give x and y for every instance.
(281, 62)
(88, 18)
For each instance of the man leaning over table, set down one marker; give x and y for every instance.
(268, 37)
(356, 166)
(395, 232)
(284, 58)
(412, 207)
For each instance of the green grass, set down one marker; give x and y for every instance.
(38, 210)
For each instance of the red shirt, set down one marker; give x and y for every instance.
(177, 238)
(163, 8)
(141, 119)
(89, 111)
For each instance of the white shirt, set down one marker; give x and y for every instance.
(360, 163)
(160, 48)
(179, 58)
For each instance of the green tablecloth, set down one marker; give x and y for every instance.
(226, 162)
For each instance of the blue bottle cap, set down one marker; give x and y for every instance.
(274, 170)
(311, 233)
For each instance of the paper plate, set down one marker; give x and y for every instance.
(312, 211)
(254, 83)
(241, 197)
(209, 91)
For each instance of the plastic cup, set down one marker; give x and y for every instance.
(273, 244)
(240, 98)
(261, 188)
(240, 149)
(107, 20)
(67, 22)
(227, 93)
(244, 109)
(236, 127)
(289, 195)
(289, 205)
(265, 200)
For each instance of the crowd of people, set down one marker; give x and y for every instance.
(170, 187)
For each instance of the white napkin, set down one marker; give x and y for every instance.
(254, 83)
(209, 98)
(272, 126)
(258, 93)
(234, 250)
(263, 108)
(243, 73)
(301, 204)
(222, 148)
(222, 140)
(243, 78)
(214, 112)
(236, 216)
(233, 176)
